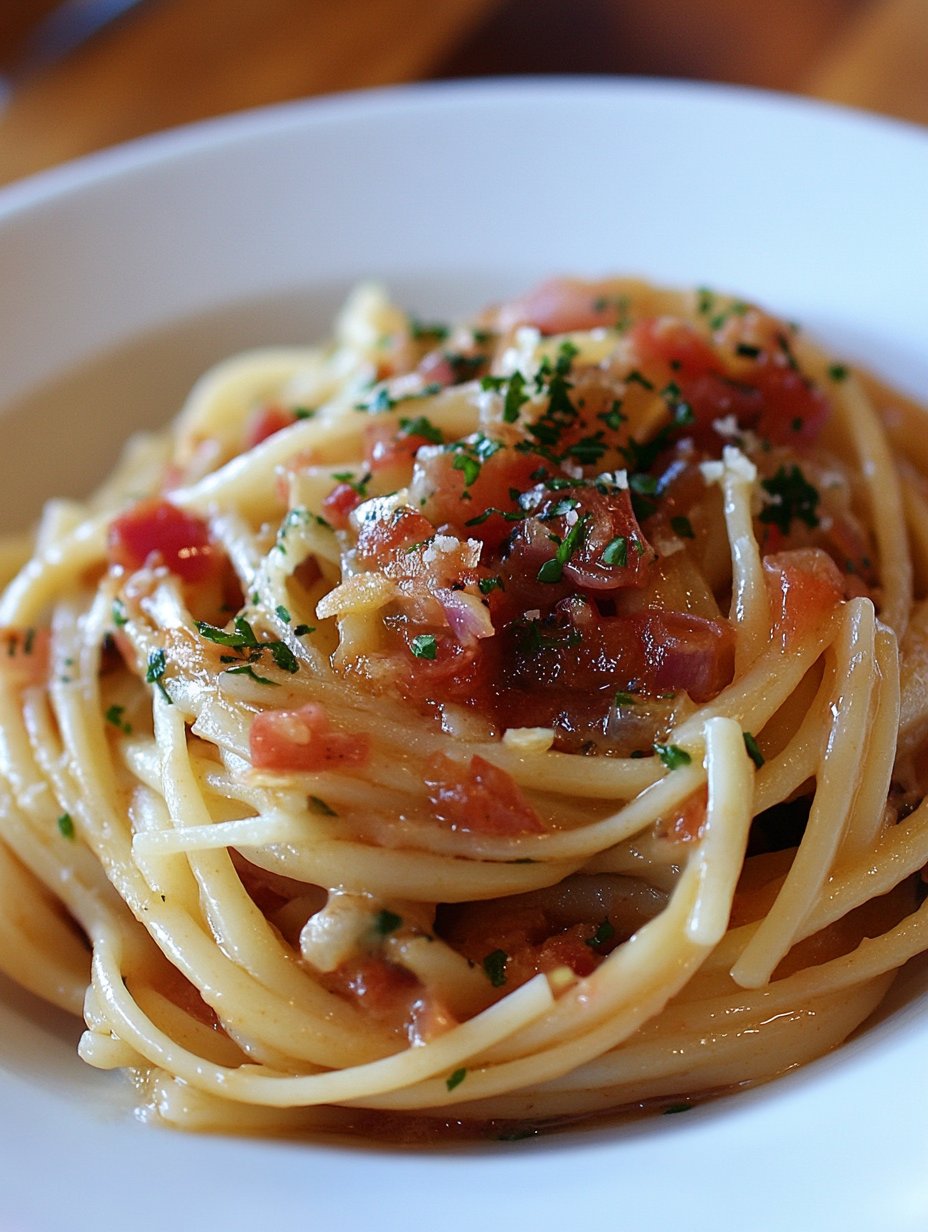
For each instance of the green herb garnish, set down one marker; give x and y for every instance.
(486, 585)
(753, 750)
(422, 426)
(424, 646)
(387, 922)
(455, 1079)
(318, 805)
(672, 755)
(157, 663)
(792, 499)
(283, 656)
(494, 966)
(553, 570)
(245, 669)
(616, 552)
(605, 932)
(115, 716)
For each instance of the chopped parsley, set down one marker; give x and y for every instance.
(641, 455)
(494, 966)
(116, 716)
(682, 527)
(427, 331)
(424, 646)
(119, 614)
(318, 805)
(588, 450)
(455, 1079)
(672, 755)
(613, 418)
(387, 922)
(838, 372)
(295, 517)
(515, 397)
(422, 426)
(753, 750)
(604, 933)
(283, 656)
(464, 367)
(243, 636)
(489, 584)
(378, 402)
(470, 455)
(157, 663)
(245, 669)
(359, 486)
(792, 498)
(637, 378)
(557, 510)
(616, 552)
(470, 466)
(707, 305)
(282, 613)
(553, 570)
(66, 826)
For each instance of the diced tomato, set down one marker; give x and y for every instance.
(850, 548)
(441, 488)
(340, 503)
(562, 305)
(675, 345)
(770, 396)
(570, 948)
(564, 671)
(610, 550)
(303, 740)
(265, 422)
(781, 406)
(390, 448)
(805, 586)
(688, 822)
(157, 532)
(479, 797)
(526, 937)
(436, 368)
(381, 541)
(453, 675)
(381, 988)
(175, 986)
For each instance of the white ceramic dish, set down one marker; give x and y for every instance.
(124, 275)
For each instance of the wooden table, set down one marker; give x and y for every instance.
(167, 62)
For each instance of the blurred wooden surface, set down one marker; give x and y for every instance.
(167, 62)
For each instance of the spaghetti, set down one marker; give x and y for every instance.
(490, 725)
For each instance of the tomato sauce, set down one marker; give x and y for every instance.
(530, 556)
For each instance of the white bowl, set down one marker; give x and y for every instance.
(124, 275)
